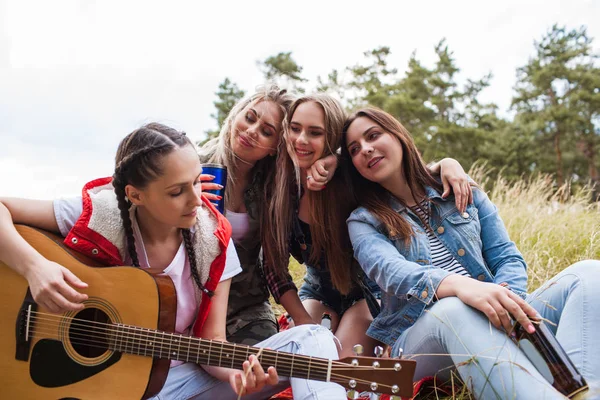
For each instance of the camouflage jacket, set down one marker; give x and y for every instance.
(248, 295)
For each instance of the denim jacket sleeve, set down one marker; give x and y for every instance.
(500, 253)
(384, 264)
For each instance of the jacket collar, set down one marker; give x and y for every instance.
(430, 192)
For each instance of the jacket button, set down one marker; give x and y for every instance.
(392, 233)
(424, 294)
(94, 251)
(465, 215)
(74, 240)
(440, 230)
(461, 252)
(481, 277)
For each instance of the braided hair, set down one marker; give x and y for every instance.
(137, 163)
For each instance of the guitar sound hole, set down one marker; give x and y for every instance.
(89, 332)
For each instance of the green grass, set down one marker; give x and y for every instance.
(553, 228)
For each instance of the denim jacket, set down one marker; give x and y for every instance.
(408, 281)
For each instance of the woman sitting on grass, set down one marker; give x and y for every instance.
(446, 275)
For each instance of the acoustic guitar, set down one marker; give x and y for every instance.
(120, 345)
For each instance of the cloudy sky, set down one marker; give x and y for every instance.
(76, 76)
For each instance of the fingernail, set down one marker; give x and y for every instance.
(211, 176)
(219, 197)
(220, 186)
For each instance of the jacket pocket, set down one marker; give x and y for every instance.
(467, 223)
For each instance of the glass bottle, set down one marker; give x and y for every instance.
(550, 359)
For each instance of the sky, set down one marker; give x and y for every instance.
(76, 76)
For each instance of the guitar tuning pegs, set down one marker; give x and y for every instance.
(378, 351)
(400, 352)
(358, 349)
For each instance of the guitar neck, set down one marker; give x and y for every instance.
(157, 344)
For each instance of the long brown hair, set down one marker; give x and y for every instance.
(328, 208)
(138, 162)
(372, 195)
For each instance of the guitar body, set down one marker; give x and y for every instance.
(53, 364)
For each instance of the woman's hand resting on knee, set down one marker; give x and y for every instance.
(496, 302)
(253, 378)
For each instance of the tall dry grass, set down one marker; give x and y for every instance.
(553, 227)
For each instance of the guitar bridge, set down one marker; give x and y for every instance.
(24, 327)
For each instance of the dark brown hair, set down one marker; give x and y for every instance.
(328, 209)
(138, 162)
(372, 195)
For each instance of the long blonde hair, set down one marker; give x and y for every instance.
(328, 208)
(219, 150)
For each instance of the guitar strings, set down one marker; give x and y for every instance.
(139, 332)
(123, 333)
(335, 377)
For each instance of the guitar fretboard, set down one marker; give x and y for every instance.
(151, 343)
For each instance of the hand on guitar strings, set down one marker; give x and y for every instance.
(53, 287)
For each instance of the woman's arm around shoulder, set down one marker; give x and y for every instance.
(50, 283)
(454, 180)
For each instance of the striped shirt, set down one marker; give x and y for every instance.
(440, 256)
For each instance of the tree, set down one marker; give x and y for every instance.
(374, 82)
(556, 96)
(283, 70)
(228, 95)
(442, 117)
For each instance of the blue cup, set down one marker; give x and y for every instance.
(220, 173)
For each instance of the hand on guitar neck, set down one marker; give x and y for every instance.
(253, 378)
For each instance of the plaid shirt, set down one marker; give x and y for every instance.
(300, 240)
(277, 283)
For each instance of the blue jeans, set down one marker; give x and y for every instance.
(452, 336)
(190, 381)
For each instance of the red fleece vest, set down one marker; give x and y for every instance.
(83, 239)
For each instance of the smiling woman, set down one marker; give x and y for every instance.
(310, 225)
(307, 134)
(452, 281)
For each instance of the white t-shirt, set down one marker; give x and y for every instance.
(68, 211)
